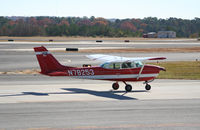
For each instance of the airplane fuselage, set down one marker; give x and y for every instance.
(149, 72)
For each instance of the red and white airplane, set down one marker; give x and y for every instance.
(114, 68)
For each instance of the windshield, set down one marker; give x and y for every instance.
(138, 64)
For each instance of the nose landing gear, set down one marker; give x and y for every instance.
(148, 87)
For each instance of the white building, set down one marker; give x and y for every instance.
(151, 35)
(166, 34)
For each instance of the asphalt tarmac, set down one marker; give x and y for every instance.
(93, 44)
(128, 114)
(19, 55)
(41, 102)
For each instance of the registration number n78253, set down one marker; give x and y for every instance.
(81, 72)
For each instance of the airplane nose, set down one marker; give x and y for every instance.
(162, 68)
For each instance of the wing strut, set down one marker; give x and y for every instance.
(141, 71)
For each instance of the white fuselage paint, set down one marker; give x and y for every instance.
(125, 76)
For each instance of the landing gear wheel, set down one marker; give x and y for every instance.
(128, 88)
(148, 87)
(115, 86)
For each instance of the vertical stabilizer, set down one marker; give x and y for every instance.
(47, 61)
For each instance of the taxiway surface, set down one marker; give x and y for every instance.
(128, 114)
(39, 88)
(40, 102)
(19, 55)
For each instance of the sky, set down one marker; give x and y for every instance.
(121, 9)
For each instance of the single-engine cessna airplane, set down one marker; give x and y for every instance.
(114, 68)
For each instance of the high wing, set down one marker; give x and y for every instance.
(109, 58)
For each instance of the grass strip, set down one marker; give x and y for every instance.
(180, 70)
(175, 70)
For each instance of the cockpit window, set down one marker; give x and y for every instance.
(128, 65)
(123, 65)
(133, 64)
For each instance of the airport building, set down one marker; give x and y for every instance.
(166, 34)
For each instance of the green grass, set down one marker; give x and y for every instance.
(180, 70)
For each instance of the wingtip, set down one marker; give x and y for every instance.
(158, 58)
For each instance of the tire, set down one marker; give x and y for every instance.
(128, 88)
(148, 87)
(115, 86)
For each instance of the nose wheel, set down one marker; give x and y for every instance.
(148, 87)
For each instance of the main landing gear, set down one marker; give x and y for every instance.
(115, 86)
(128, 87)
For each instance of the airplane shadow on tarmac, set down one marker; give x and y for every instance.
(106, 94)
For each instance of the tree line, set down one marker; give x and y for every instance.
(76, 26)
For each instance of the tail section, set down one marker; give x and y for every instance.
(47, 61)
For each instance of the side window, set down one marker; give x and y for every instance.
(127, 65)
(106, 65)
(124, 65)
(111, 65)
(116, 65)
(135, 64)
